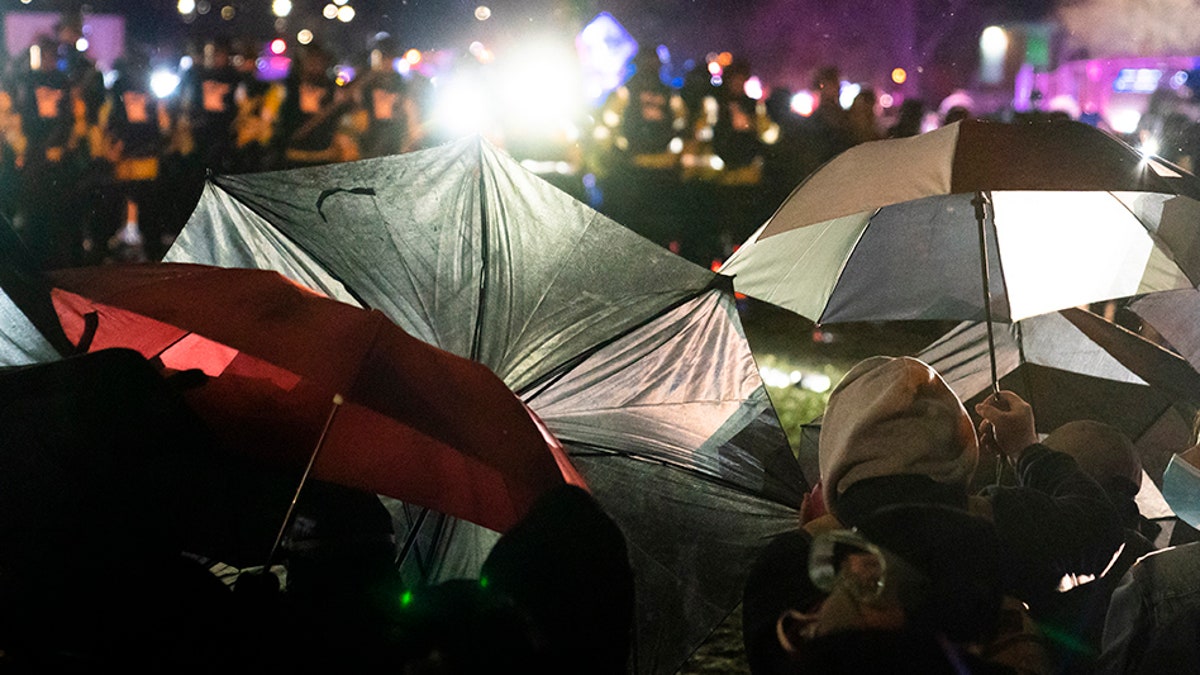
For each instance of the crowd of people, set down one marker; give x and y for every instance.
(92, 162)
(89, 163)
(899, 563)
(904, 565)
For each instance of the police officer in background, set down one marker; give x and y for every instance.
(393, 117)
(43, 100)
(210, 96)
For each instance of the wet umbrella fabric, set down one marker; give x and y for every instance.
(1071, 365)
(634, 357)
(417, 423)
(887, 230)
(1055, 366)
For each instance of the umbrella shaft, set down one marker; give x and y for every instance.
(312, 460)
(980, 203)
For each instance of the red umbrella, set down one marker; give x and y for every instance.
(410, 421)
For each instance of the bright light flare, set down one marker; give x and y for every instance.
(993, 42)
(278, 46)
(345, 14)
(848, 93)
(539, 88)
(281, 8)
(462, 106)
(82, 44)
(754, 88)
(163, 83)
(330, 11)
(1150, 146)
(899, 75)
(1124, 121)
(304, 37)
(483, 13)
(186, 6)
(804, 103)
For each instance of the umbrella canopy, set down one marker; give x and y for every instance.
(1070, 365)
(634, 357)
(416, 423)
(888, 230)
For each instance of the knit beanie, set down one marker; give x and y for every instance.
(891, 416)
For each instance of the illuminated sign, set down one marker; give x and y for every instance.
(1137, 80)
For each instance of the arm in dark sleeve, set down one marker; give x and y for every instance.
(1126, 625)
(1057, 522)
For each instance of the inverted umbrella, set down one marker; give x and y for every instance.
(412, 421)
(976, 221)
(634, 357)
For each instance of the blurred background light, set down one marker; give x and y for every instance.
(848, 93)
(163, 83)
(803, 103)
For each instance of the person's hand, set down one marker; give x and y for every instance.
(1007, 422)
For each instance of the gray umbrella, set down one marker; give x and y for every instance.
(633, 357)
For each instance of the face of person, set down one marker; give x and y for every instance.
(860, 600)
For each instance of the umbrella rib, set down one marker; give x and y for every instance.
(477, 337)
(1158, 242)
(546, 290)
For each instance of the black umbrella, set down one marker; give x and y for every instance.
(633, 357)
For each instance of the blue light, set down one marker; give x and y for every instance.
(605, 49)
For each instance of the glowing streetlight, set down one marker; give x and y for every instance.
(281, 7)
(993, 41)
(345, 14)
(993, 48)
(184, 6)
